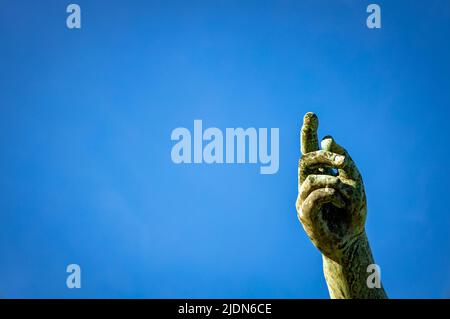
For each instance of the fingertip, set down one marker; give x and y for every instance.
(311, 120)
(327, 143)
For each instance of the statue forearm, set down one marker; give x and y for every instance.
(347, 279)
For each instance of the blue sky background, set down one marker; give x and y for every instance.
(85, 123)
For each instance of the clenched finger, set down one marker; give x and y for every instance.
(351, 171)
(316, 199)
(322, 159)
(314, 182)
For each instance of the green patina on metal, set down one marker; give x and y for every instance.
(332, 208)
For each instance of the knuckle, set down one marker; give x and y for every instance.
(310, 179)
(298, 204)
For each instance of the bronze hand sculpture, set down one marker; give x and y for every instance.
(332, 208)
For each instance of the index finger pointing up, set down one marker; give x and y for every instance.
(309, 140)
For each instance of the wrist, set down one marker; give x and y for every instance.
(347, 276)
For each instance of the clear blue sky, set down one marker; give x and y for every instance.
(85, 123)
